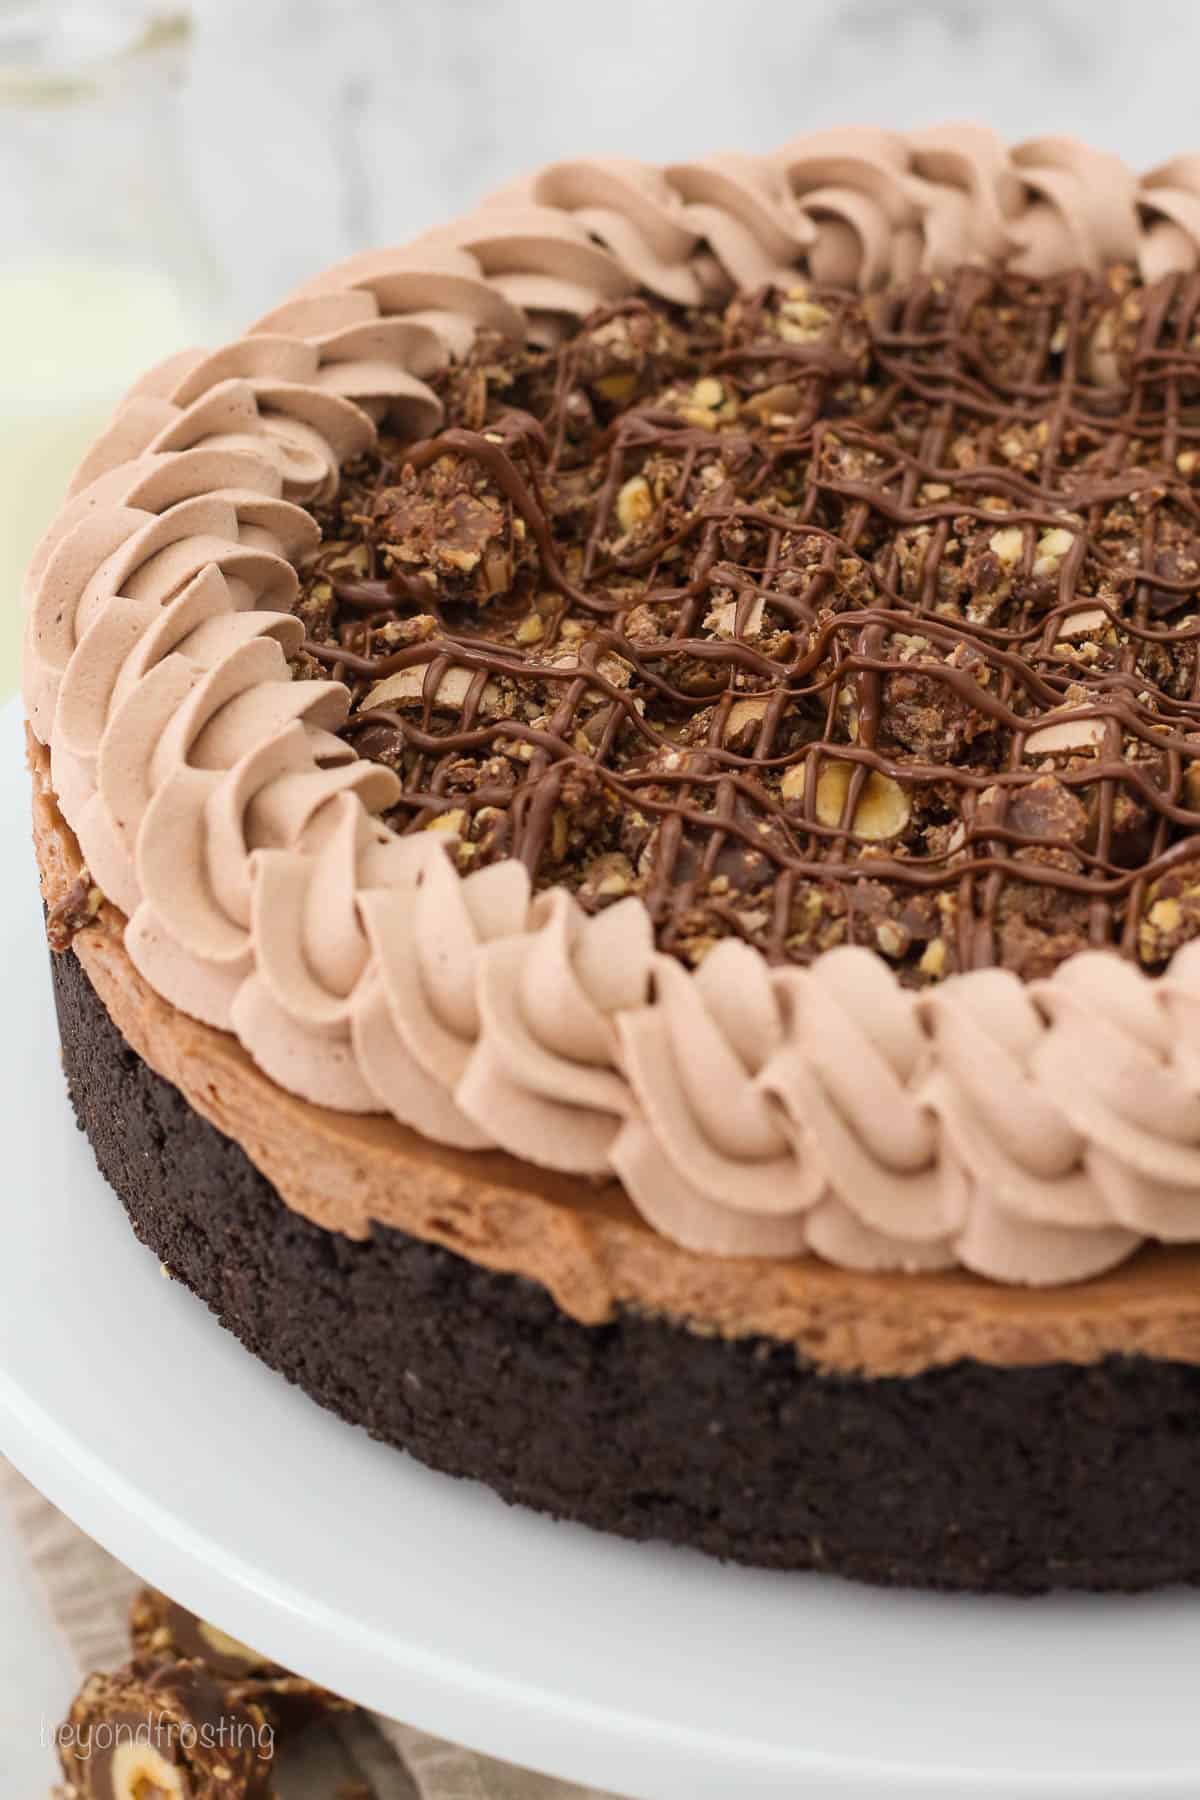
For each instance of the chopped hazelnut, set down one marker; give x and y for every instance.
(802, 320)
(635, 503)
(742, 722)
(407, 687)
(138, 1770)
(883, 809)
(933, 959)
(1052, 546)
(1165, 915)
(453, 823)
(531, 629)
(1078, 624)
(1008, 544)
(1069, 734)
(891, 938)
(723, 619)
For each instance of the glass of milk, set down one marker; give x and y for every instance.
(104, 263)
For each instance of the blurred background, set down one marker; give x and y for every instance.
(168, 170)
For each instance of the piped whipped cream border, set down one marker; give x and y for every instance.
(1032, 1133)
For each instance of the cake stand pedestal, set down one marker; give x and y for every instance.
(650, 1671)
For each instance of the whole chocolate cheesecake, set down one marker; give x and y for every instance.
(618, 799)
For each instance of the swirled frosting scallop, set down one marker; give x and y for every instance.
(1030, 1131)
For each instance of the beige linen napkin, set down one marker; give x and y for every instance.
(88, 1593)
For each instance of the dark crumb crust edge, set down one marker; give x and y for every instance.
(969, 1477)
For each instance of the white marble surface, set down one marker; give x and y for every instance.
(313, 127)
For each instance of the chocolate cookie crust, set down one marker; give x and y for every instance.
(969, 1477)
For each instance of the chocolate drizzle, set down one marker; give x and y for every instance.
(802, 624)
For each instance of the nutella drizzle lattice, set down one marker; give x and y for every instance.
(813, 621)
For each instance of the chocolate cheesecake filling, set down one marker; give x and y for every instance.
(810, 620)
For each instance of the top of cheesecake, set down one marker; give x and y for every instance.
(772, 578)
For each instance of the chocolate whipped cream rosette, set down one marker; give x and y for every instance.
(616, 791)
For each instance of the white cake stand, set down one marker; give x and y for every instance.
(652, 1672)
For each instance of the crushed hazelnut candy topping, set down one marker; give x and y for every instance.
(72, 914)
(813, 620)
